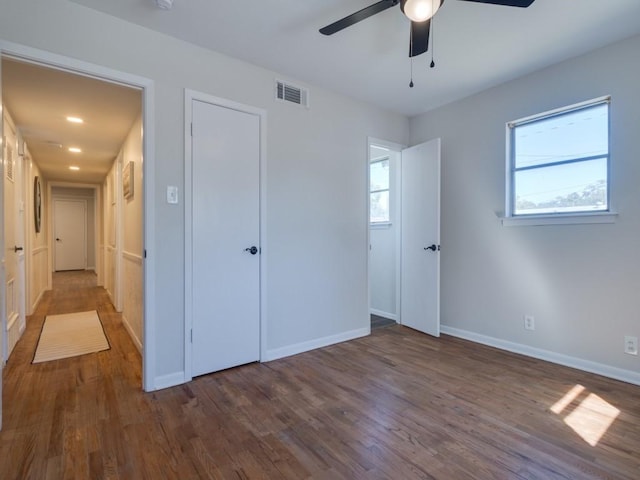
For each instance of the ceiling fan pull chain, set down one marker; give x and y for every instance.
(410, 57)
(411, 82)
(433, 44)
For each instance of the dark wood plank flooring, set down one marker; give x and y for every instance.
(381, 322)
(394, 405)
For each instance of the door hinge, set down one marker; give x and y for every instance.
(192, 129)
(192, 335)
(145, 253)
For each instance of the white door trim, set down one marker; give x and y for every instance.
(147, 86)
(189, 97)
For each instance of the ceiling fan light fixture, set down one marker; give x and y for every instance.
(420, 10)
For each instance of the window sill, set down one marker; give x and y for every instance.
(380, 225)
(559, 219)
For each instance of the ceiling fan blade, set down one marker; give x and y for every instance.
(419, 40)
(506, 3)
(358, 16)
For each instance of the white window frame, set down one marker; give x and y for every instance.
(580, 217)
(388, 189)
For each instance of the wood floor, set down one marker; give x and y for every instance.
(394, 405)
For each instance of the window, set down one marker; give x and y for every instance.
(379, 190)
(559, 161)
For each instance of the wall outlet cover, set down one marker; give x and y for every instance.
(631, 345)
(529, 322)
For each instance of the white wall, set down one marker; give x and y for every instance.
(316, 209)
(581, 282)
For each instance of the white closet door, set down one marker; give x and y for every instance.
(225, 235)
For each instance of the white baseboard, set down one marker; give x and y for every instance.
(380, 313)
(553, 357)
(35, 304)
(313, 344)
(136, 341)
(166, 381)
(14, 332)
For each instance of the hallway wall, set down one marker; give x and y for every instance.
(132, 252)
(38, 264)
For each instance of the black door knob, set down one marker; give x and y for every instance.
(17, 249)
(252, 250)
(433, 247)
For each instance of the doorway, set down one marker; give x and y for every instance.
(404, 235)
(70, 235)
(144, 86)
(384, 232)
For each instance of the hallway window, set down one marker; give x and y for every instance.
(379, 191)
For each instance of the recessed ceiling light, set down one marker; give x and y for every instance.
(75, 150)
(73, 167)
(75, 120)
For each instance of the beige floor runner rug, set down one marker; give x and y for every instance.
(70, 335)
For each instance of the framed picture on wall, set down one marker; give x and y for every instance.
(127, 180)
(37, 203)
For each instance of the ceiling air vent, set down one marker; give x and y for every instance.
(291, 93)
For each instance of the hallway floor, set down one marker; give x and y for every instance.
(54, 413)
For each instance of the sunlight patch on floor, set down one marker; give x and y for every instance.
(590, 416)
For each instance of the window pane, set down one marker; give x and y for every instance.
(379, 176)
(572, 187)
(578, 134)
(380, 207)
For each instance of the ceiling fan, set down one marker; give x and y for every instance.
(419, 12)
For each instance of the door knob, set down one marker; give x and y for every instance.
(252, 250)
(57, 239)
(17, 249)
(433, 247)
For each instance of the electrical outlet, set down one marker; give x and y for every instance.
(529, 322)
(631, 345)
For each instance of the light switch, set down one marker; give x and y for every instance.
(172, 194)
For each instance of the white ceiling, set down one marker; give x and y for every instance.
(476, 45)
(39, 100)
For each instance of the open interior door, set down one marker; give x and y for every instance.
(420, 250)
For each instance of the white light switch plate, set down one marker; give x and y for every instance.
(172, 194)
